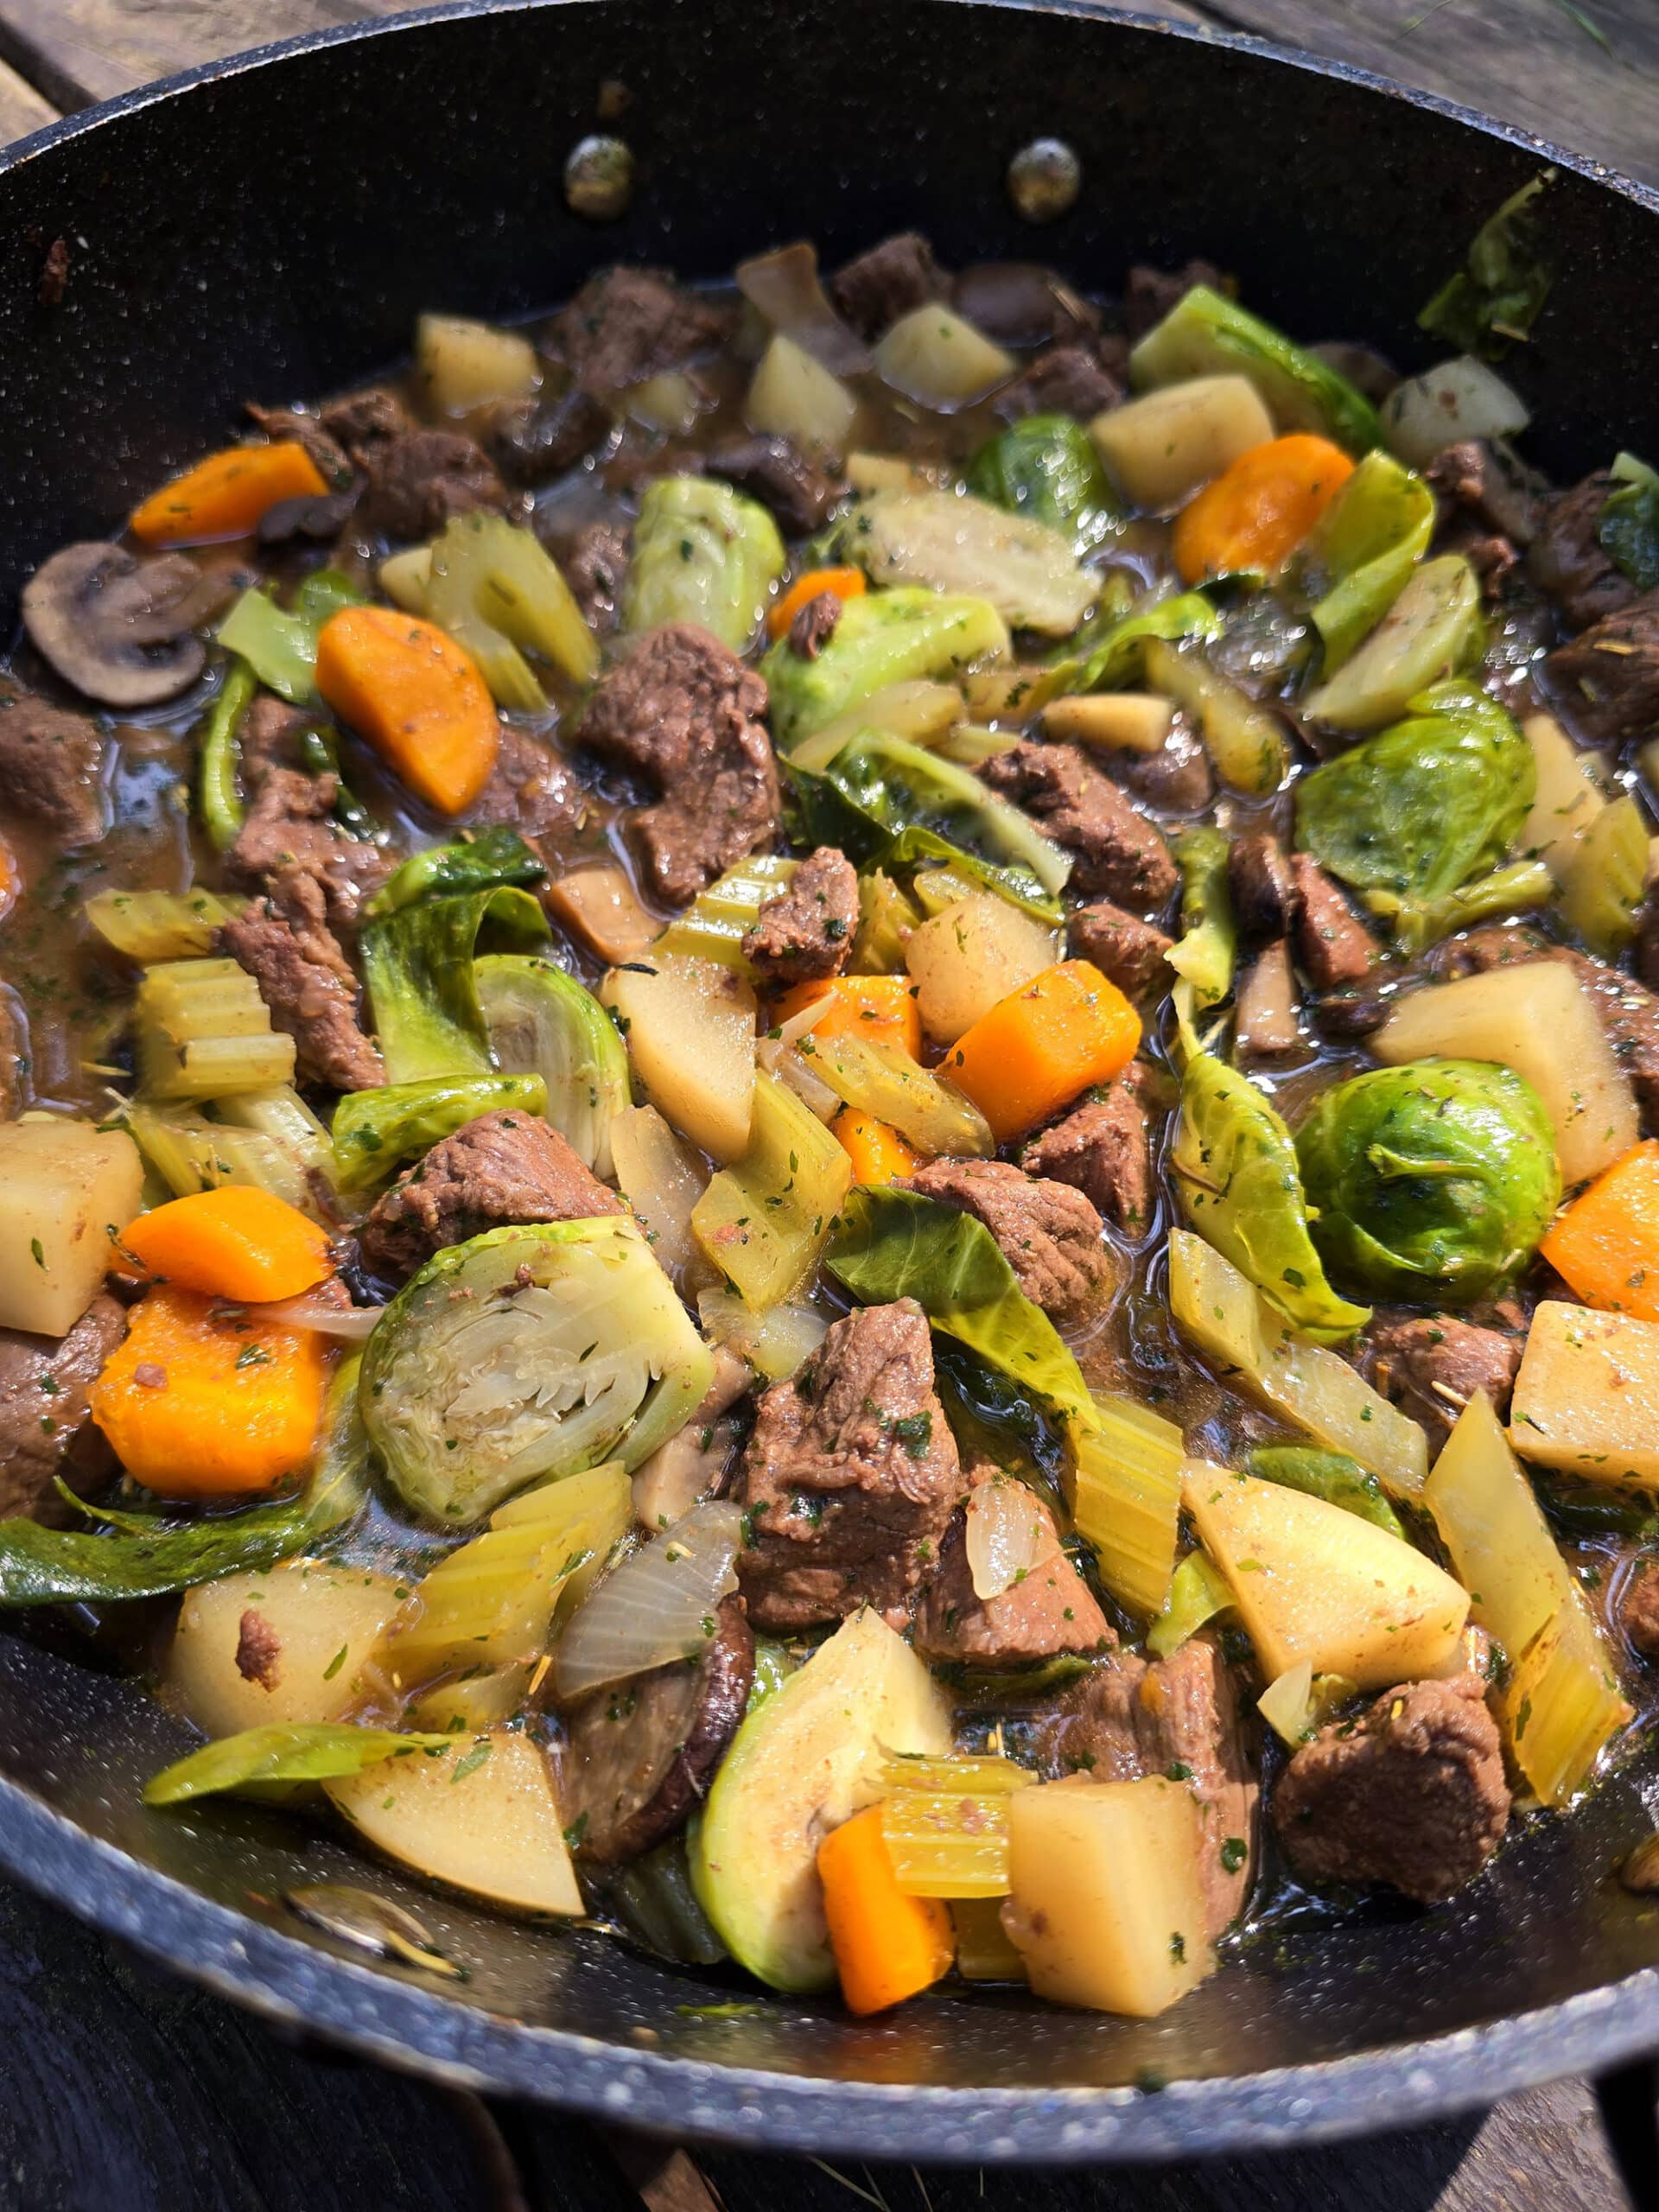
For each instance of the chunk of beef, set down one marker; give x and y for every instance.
(1568, 561)
(1178, 779)
(1122, 946)
(312, 521)
(876, 288)
(423, 479)
(781, 477)
(287, 425)
(52, 766)
(1638, 1606)
(258, 1649)
(505, 1167)
(1120, 854)
(1126, 1719)
(1049, 1611)
(1492, 490)
(594, 563)
(533, 440)
(627, 324)
(289, 832)
(805, 933)
(1103, 1149)
(814, 625)
(1333, 946)
(1413, 1796)
(1071, 379)
(1608, 679)
(1492, 556)
(1024, 303)
(1264, 889)
(1431, 1368)
(306, 982)
(1049, 1233)
(531, 788)
(46, 1425)
(364, 421)
(685, 711)
(637, 1757)
(850, 1477)
(1150, 293)
(1629, 1014)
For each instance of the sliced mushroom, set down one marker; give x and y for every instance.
(120, 630)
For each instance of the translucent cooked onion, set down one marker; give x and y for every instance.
(317, 1309)
(657, 1606)
(774, 1343)
(1009, 1535)
(786, 290)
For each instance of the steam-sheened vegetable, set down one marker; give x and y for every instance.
(152, 925)
(416, 696)
(477, 1382)
(544, 1026)
(189, 1153)
(495, 589)
(875, 1077)
(1234, 1167)
(1426, 805)
(879, 1009)
(969, 954)
(984, 1951)
(240, 1244)
(279, 1119)
(322, 1618)
(1605, 1245)
(662, 1179)
(1136, 722)
(487, 860)
(65, 1188)
(1418, 923)
(1205, 334)
(1330, 1475)
(1160, 448)
(774, 1343)
(1209, 939)
(1246, 743)
(1120, 657)
(1561, 1702)
(713, 925)
(892, 1244)
(1045, 468)
(888, 1944)
(1043, 1047)
(1537, 1018)
(1572, 790)
(292, 1751)
(916, 710)
(463, 364)
(218, 755)
(225, 494)
(793, 395)
(689, 1026)
(1022, 567)
(376, 1132)
(422, 986)
(280, 647)
(1313, 1582)
(1258, 1352)
(1126, 1499)
(1197, 1592)
(1107, 1905)
(1432, 629)
(1253, 517)
(932, 355)
(659, 1604)
(1628, 531)
(884, 638)
(762, 1222)
(1587, 1399)
(1456, 399)
(805, 1760)
(702, 554)
(1492, 302)
(903, 786)
(1362, 551)
(203, 1032)
(1605, 880)
(1429, 1182)
(944, 1823)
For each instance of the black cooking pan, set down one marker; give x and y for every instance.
(269, 227)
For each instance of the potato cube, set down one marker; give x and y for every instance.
(66, 1191)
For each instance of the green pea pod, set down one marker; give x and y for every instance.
(219, 756)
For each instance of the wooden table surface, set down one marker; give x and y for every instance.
(127, 2091)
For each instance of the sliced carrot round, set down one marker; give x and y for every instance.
(1255, 515)
(232, 1243)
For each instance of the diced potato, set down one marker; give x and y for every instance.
(794, 397)
(1163, 447)
(969, 957)
(482, 1817)
(66, 1189)
(932, 355)
(1138, 720)
(1537, 1018)
(888, 472)
(1313, 1582)
(690, 1031)
(1106, 1906)
(325, 1619)
(463, 365)
(669, 403)
(1572, 792)
(1587, 1399)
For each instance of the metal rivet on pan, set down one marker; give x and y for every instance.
(1043, 180)
(598, 178)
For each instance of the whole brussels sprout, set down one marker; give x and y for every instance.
(1432, 1181)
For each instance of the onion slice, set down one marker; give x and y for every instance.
(1009, 1535)
(657, 1606)
(786, 290)
(317, 1309)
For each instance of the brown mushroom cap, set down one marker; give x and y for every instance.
(120, 630)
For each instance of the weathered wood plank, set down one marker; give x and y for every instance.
(21, 108)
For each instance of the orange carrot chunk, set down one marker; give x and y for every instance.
(225, 495)
(844, 583)
(205, 1400)
(881, 1008)
(888, 1946)
(417, 697)
(1255, 514)
(1605, 1245)
(878, 1153)
(1037, 1048)
(232, 1243)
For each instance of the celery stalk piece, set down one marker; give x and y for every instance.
(763, 1222)
(875, 1077)
(713, 925)
(204, 1031)
(945, 1824)
(153, 925)
(496, 591)
(1127, 1499)
(1434, 629)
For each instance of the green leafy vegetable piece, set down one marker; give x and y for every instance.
(1425, 805)
(894, 1244)
(886, 918)
(702, 554)
(904, 786)
(1628, 528)
(418, 967)
(280, 647)
(1495, 298)
(1604, 883)
(1330, 1475)
(1197, 1592)
(951, 542)
(915, 850)
(376, 1131)
(1208, 939)
(1237, 1178)
(545, 1027)
(219, 756)
(1432, 1181)
(1435, 628)
(1205, 334)
(493, 858)
(882, 637)
(1119, 657)
(1418, 923)
(1363, 550)
(713, 925)
(1046, 466)
(286, 1750)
